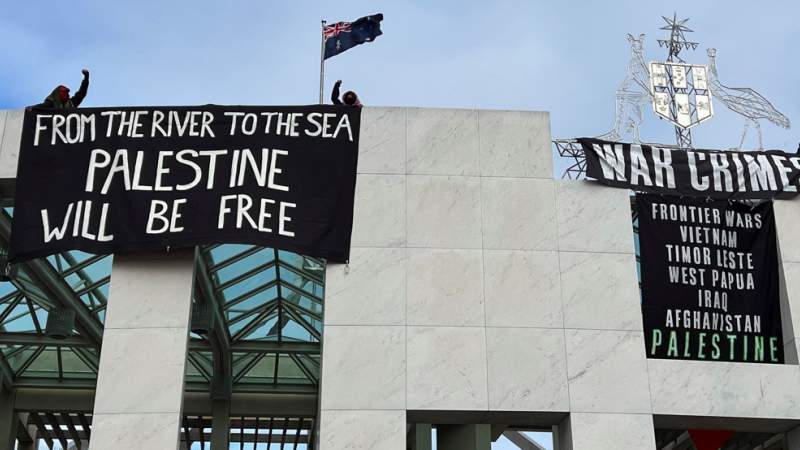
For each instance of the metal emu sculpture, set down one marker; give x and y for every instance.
(745, 102)
(632, 95)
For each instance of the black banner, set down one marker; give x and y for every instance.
(709, 273)
(106, 180)
(698, 173)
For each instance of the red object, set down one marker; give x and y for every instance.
(335, 29)
(63, 93)
(709, 439)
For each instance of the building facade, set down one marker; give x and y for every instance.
(482, 296)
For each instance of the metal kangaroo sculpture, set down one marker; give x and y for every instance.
(632, 95)
(744, 101)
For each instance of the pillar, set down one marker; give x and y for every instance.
(139, 396)
(793, 439)
(220, 424)
(8, 420)
(463, 437)
(419, 437)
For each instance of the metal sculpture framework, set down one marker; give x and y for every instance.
(636, 90)
(744, 101)
(673, 89)
(631, 96)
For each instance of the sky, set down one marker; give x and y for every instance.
(565, 57)
(559, 56)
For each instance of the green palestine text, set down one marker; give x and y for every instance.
(711, 346)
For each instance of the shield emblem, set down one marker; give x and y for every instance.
(680, 93)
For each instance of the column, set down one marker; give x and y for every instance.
(362, 392)
(139, 395)
(793, 439)
(8, 420)
(419, 437)
(220, 424)
(463, 437)
(786, 224)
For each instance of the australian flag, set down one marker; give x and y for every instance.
(346, 35)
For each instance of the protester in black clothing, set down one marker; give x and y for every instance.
(60, 97)
(349, 98)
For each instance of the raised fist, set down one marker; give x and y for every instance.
(85, 72)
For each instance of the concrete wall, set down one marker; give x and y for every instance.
(479, 283)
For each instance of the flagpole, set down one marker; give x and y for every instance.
(322, 65)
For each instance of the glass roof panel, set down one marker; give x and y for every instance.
(6, 289)
(45, 364)
(223, 252)
(18, 358)
(74, 366)
(262, 300)
(20, 320)
(260, 257)
(250, 283)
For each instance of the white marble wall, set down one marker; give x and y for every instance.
(139, 396)
(476, 283)
(10, 135)
(479, 283)
(787, 221)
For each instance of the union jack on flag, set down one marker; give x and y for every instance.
(334, 30)
(342, 36)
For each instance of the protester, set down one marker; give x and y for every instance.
(60, 97)
(349, 98)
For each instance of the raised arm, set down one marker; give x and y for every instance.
(81, 94)
(335, 93)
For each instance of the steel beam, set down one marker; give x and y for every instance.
(41, 430)
(219, 338)
(54, 383)
(49, 281)
(7, 375)
(8, 420)
(55, 400)
(522, 441)
(419, 436)
(42, 340)
(463, 437)
(220, 424)
(56, 427)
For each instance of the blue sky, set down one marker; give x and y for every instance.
(563, 57)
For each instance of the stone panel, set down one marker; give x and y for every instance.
(518, 214)
(593, 218)
(372, 292)
(364, 367)
(444, 212)
(382, 144)
(445, 287)
(607, 371)
(442, 141)
(447, 368)
(515, 144)
(527, 369)
(379, 218)
(523, 289)
(600, 291)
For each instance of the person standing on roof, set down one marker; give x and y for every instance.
(348, 99)
(60, 97)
